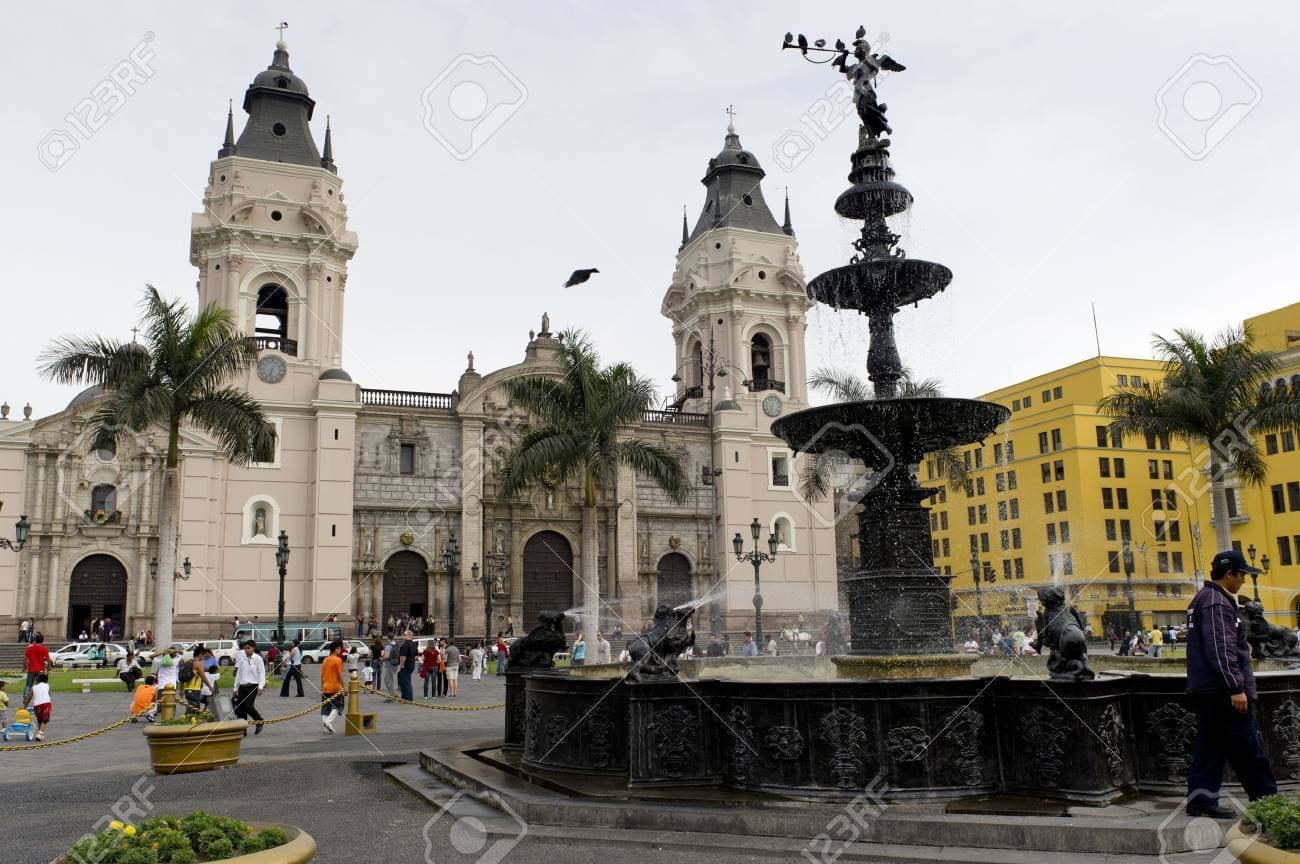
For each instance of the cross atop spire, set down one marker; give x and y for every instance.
(283, 26)
(731, 118)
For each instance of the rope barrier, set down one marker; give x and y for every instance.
(82, 737)
(433, 707)
(294, 715)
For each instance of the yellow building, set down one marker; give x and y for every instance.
(1054, 496)
(1266, 519)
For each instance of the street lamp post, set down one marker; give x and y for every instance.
(1254, 577)
(281, 566)
(183, 573)
(979, 601)
(21, 529)
(756, 557)
(1263, 560)
(451, 563)
(1128, 579)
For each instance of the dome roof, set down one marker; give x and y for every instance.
(85, 397)
(335, 375)
(734, 192)
(278, 76)
(733, 154)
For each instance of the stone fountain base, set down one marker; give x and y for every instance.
(909, 666)
(906, 738)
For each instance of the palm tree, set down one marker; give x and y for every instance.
(180, 375)
(843, 386)
(583, 417)
(1214, 393)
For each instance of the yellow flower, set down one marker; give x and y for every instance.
(115, 825)
(129, 830)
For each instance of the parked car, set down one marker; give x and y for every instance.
(223, 649)
(185, 650)
(315, 652)
(86, 655)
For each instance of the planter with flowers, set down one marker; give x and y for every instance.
(194, 839)
(194, 742)
(1270, 833)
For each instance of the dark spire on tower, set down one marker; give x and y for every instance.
(327, 160)
(734, 194)
(228, 145)
(787, 227)
(279, 114)
(686, 232)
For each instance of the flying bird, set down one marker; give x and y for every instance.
(579, 276)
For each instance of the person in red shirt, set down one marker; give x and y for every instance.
(38, 661)
(331, 686)
(429, 668)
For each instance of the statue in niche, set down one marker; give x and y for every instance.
(550, 498)
(367, 546)
(259, 522)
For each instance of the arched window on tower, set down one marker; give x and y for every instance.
(760, 360)
(272, 312)
(696, 376)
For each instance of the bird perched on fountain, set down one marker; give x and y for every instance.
(579, 276)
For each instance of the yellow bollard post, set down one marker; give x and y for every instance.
(355, 722)
(167, 703)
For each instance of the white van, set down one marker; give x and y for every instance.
(223, 649)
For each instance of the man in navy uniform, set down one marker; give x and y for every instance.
(1221, 684)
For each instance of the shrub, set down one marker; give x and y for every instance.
(1279, 818)
(198, 836)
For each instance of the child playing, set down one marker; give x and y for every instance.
(4, 706)
(144, 703)
(38, 698)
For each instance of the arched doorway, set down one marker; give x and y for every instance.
(406, 586)
(548, 576)
(673, 585)
(97, 590)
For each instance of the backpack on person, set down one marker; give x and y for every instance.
(186, 673)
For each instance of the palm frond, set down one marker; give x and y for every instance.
(657, 463)
(236, 420)
(840, 385)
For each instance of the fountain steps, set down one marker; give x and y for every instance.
(1005, 830)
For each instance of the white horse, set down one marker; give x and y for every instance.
(789, 634)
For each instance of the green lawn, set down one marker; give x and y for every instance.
(61, 680)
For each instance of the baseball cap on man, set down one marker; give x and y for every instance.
(1227, 560)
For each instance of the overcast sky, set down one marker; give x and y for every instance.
(1027, 132)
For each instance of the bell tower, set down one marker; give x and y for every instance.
(738, 285)
(272, 245)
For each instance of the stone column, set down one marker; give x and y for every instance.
(473, 462)
(53, 577)
(144, 585)
(625, 553)
(231, 297)
(316, 319)
(38, 500)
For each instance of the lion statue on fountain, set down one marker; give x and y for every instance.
(1060, 628)
(537, 649)
(1267, 640)
(654, 653)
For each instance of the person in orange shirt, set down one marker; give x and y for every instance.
(331, 687)
(144, 702)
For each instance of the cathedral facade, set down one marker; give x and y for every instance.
(371, 486)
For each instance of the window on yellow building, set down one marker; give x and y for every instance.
(1125, 530)
(979, 485)
(1004, 539)
(970, 515)
(1011, 451)
(1121, 380)
(984, 513)
(1015, 538)
(1110, 529)
(1151, 440)
(1101, 436)
(1015, 404)
(1006, 568)
(1270, 444)
(1048, 505)
(1000, 482)
(1029, 401)
(1153, 469)
(984, 542)
(1103, 466)
(1046, 396)
(943, 520)
(1121, 499)
(946, 548)
(1135, 380)
(1284, 551)
(979, 457)
(1057, 392)
(1042, 442)
(1176, 559)
(1015, 508)
(1060, 500)
(1288, 441)
(1279, 498)
(1231, 496)
(1293, 495)
(1112, 561)
(1162, 562)
(1107, 498)
(1119, 468)
(1058, 469)
(1011, 479)
(1051, 533)
(1065, 532)
(1176, 590)
(1056, 440)
(997, 454)
(1067, 563)
(970, 488)
(1157, 500)
(1171, 499)
(1047, 472)
(1002, 511)
(1172, 529)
